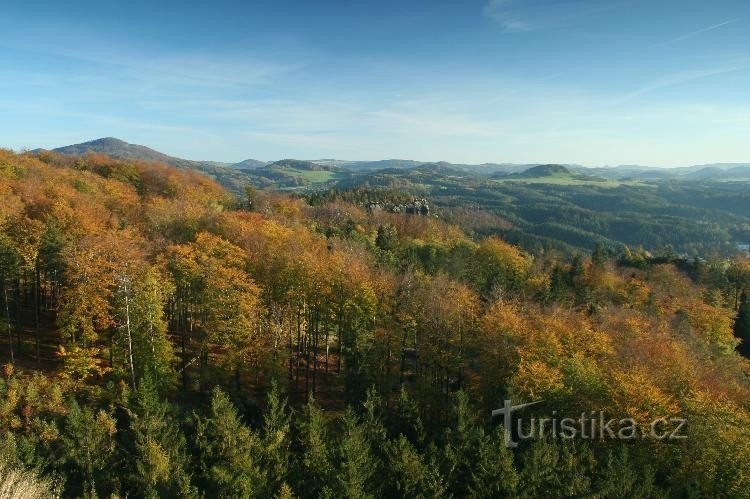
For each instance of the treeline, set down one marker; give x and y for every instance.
(131, 290)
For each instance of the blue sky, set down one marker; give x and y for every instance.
(596, 82)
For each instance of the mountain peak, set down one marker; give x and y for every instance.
(546, 171)
(106, 141)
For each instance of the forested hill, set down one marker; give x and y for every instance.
(160, 337)
(230, 175)
(694, 212)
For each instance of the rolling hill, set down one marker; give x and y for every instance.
(229, 175)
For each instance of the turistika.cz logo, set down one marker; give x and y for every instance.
(591, 426)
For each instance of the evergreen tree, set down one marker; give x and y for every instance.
(229, 452)
(559, 283)
(315, 468)
(9, 266)
(88, 441)
(621, 478)
(493, 471)
(357, 463)
(555, 469)
(405, 420)
(160, 464)
(276, 441)
(387, 237)
(474, 463)
(410, 474)
(152, 347)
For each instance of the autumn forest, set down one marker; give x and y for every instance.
(161, 336)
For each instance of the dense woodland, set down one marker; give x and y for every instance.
(162, 337)
(558, 212)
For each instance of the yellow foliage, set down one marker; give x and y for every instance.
(536, 380)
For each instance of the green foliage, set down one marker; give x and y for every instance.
(410, 473)
(160, 464)
(387, 237)
(230, 453)
(276, 442)
(315, 469)
(89, 446)
(357, 463)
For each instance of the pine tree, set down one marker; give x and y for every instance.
(553, 469)
(493, 472)
(459, 452)
(620, 477)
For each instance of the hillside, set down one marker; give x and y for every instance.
(561, 207)
(226, 174)
(249, 164)
(546, 171)
(554, 174)
(119, 149)
(570, 211)
(295, 174)
(177, 343)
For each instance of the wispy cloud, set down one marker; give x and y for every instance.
(533, 15)
(679, 78)
(508, 14)
(700, 31)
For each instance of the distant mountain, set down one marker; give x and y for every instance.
(382, 164)
(120, 149)
(406, 164)
(713, 171)
(720, 172)
(248, 164)
(299, 164)
(226, 174)
(292, 173)
(545, 171)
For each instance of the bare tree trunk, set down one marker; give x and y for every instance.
(36, 311)
(7, 323)
(328, 348)
(127, 328)
(19, 326)
(291, 352)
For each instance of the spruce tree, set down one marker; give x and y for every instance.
(160, 463)
(410, 474)
(357, 462)
(276, 441)
(230, 452)
(315, 467)
(88, 451)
